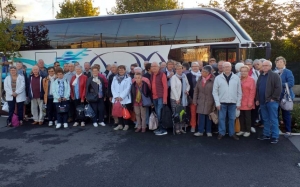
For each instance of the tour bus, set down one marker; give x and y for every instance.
(184, 35)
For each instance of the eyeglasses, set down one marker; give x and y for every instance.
(50, 71)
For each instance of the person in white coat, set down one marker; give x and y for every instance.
(180, 88)
(120, 88)
(14, 86)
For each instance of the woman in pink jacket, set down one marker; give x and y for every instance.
(247, 104)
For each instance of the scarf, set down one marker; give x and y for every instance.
(20, 72)
(186, 71)
(120, 78)
(182, 77)
(51, 79)
(279, 71)
(96, 80)
(61, 87)
(76, 79)
(196, 74)
(250, 72)
(204, 80)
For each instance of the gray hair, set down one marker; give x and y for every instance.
(114, 65)
(208, 68)
(249, 60)
(195, 64)
(20, 62)
(156, 63)
(256, 61)
(238, 66)
(137, 69)
(269, 62)
(226, 63)
(78, 66)
(87, 63)
(71, 64)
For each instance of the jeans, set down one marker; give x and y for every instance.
(230, 108)
(98, 108)
(269, 112)
(20, 108)
(51, 110)
(204, 121)
(158, 105)
(62, 117)
(286, 117)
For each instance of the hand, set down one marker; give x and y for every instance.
(110, 99)
(250, 106)
(238, 107)
(152, 106)
(178, 102)
(164, 103)
(257, 103)
(104, 99)
(272, 100)
(120, 99)
(219, 107)
(64, 99)
(187, 93)
(14, 94)
(59, 99)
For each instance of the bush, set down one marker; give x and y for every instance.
(296, 118)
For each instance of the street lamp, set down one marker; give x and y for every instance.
(160, 29)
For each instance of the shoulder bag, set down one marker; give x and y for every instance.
(286, 102)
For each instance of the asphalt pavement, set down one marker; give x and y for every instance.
(41, 156)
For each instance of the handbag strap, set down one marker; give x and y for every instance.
(287, 89)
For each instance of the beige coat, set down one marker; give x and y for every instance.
(203, 97)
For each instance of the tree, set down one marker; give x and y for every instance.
(77, 8)
(11, 36)
(131, 6)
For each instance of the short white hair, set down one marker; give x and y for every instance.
(156, 63)
(195, 64)
(226, 63)
(138, 69)
(269, 62)
(238, 66)
(78, 66)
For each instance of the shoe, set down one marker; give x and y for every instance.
(65, 125)
(220, 136)
(209, 134)
(102, 124)
(75, 124)
(82, 124)
(95, 124)
(143, 130)
(126, 128)
(287, 134)
(192, 129)
(240, 133)
(246, 134)
(198, 134)
(70, 120)
(274, 140)
(263, 137)
(253, 130)
(138, 130)
(55, 122)
(41, 123)
(119, 127)
(161, 133)
(50, 123)
(21, 122)
(135, 125)
(9, 125)
(35, 123)
(58, 125)
(156, 131)
(235, 137)
(182, 131)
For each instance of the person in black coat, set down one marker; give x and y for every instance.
(147, 71)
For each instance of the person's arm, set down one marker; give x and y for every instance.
(188, 87)
(252, 93)
(127, 89)
(216, 93)
(21, 87)
(239, 94)
(72, 88)
(67, 90)
(114, 92)
(289, 79)
(7, 86)
(196, 92)
(277, 88)
(165, 87)
(54, 87)
(173, 89)
(84, 79)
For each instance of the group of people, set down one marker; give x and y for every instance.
(254, 91)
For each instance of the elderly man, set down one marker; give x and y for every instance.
(163, 66)
(268, 92)
(227, 94)
(159, 88)
(220, 68)
(258, 65)
(212, 61)
(107, 70)
(87, 69)
(66, 68)
(56, 64)
(131, 73)
(252, 73)
(144, 70)
(43, 70)
(200, 65)
(68, 76)
(36, 94)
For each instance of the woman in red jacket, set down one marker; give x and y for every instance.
(78, 86)
(247, 104)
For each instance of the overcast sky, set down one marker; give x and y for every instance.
(32, 10)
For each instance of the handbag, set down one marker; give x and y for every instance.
(237, 125)
(91, 97)
(80, 112)
(5, 107)
(88, 111)
(117, 109)
(126, 113)
(214, 116)
(146, 101)
(62, 107)
(286, 102)
(15, 120)
(153, 121)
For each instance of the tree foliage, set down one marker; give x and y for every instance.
(11, 36)
(131, 6)
(77, 8)
(36, 37)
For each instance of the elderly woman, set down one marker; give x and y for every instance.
(120, 89)
(286, 76)
(78, 85)
(48, 96)
(180, 88)
(196, 74)
(95, 86)
(247, 103)
(61, 95)
(204, 100)
(14, 86)
(139, 88)
(238, 67)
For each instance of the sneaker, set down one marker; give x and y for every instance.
(246, 134)
(198, 134)
(135, 125)
(102, 124)
(58, 125)
(50, 123)
(220, 136)
(192, 129)
(82, 124)
(287, 134)
(156, 131)
(235, 137)
(253, 130)
(65, 125)
(119, 127)
(263, 137)
(209, 134)
(126, 128)
(274, 140)
(95, 124)
(161, 133)
(240, 133)
(21, 122)
(75, 124)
